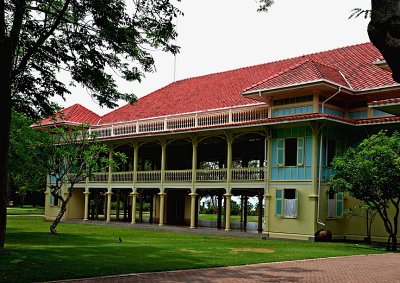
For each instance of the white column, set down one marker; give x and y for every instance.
(193, 210)
(228, 211)
(162, 200)
(86, 213)
(133, 214)
(109, 194)
(163, 159)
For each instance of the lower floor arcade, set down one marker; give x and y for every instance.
(171, 206)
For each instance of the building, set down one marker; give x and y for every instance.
(268, 131)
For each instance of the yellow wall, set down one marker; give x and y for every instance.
(356, 226)
(76, 205)
(335, 225)
(301, 227)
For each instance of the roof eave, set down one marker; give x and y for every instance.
(297, 86)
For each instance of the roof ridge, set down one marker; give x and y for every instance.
(274, 62)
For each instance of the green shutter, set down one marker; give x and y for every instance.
(339, 205)
(279, 202)
(280, 150)
(297, 203)
(300, 151)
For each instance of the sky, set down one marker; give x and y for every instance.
(222, 35)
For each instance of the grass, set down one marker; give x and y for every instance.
(26, 210)
(33, 254)
(233, 217)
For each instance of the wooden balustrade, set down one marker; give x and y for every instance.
(185, 121)
(122, 177)
(248, 174)
(99, 178)
(178, 176)
(149, 176)
(211, 175)
(202, 175)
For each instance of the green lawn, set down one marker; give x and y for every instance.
(233, 217)
(27, 209)
(32, 254)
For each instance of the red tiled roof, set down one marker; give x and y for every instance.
(302, 72)
(224, 89)
(385, 101)
(73, 114)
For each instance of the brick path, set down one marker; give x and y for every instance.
(366, 268)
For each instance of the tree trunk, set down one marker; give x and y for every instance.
(60, 214)
(384, 32)
(5, 121)
(394, 243)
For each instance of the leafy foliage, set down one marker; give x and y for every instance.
(265, 5)
(75, 155)
(27, 155)
(90, 39)
(370, 172)
(358, 12)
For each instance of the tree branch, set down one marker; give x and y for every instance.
(16, 26)
(40, 41)
(3, 27)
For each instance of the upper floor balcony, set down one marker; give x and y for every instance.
(203, 119)
(256, 174)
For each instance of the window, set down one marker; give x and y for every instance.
(330, 151)
(331, 204)
(290, 152)
(335, 204)
(286, 203)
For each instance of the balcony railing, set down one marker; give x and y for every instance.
(248, 174)
(122, 177)
(149, 176)
(178, 176)
(99, 178)
(202, 175)
(211, 175)
(185, 121)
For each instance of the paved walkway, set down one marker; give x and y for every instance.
(366, 268)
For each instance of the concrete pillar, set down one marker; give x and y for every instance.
(194, 161)
(163, 159)
(193, 210)
(241, 208)
(229, 141)
(133, 212)
(228, 197)
(109, 194)
(162, 200)
(246, 200)
(86, 213)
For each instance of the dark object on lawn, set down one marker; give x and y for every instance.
(323, 235)
(120, 240)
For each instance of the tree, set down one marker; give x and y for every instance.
(74, 156)
(383, 29)
(27, 156)
(365, 212)
(90, 39)
(371, 173)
